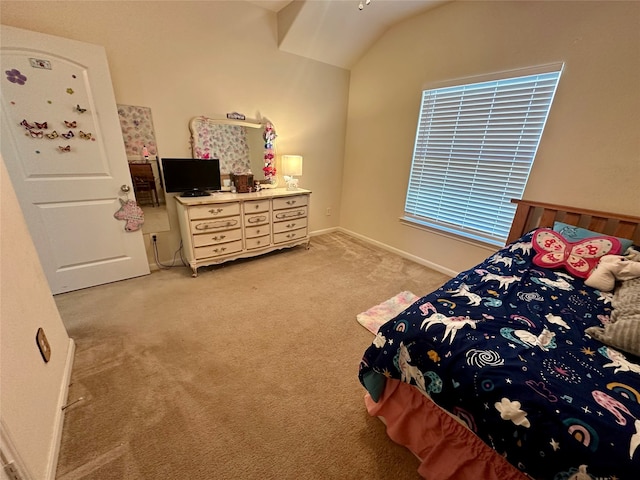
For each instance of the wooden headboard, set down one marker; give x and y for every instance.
(530, 215)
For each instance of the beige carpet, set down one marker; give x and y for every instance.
(248, 371)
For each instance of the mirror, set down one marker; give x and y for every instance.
(240, 145)
(140, 146)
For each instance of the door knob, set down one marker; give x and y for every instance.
(125, 188)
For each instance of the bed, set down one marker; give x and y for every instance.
(492, 376)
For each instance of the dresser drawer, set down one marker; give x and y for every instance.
(215, 238)
(258, 242)
(254, 219)
(289, 225)
(258, 231)
(218, 250)
(289, 214)
(201, 226)
(256, 206)
(214, 210)
(288, 202)
(288, 236)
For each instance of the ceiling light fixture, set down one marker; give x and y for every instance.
(361, 5)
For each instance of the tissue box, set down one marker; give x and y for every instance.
(243, 183)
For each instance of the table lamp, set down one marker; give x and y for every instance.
(291, 167)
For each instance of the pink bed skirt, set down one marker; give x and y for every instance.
(447, 449)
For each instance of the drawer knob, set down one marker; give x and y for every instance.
(291, 202)
(215, 211)
(221, 237)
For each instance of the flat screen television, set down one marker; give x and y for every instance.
(191, 177)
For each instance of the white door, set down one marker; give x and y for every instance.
(63, 147)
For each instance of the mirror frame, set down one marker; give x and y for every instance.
(268, 136)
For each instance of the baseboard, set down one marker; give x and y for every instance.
(402, 253)
(59, 421)
(323, 231)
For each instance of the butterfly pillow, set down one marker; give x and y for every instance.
(578, 258)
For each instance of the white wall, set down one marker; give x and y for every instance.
(189, 58)
(32, 392)
(590, 151)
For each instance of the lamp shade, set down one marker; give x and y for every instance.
(292, 165)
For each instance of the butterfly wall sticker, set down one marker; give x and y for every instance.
(52, 135)
(70, 124)
(65, 149)
(68, 135)
(84, 136)
(35, 134)
(80, 110)
(29, 126)
(579, 258)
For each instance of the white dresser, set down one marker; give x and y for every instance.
(227, 226)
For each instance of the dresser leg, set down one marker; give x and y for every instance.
(195, 272)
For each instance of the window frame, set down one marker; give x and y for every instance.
(501, 207)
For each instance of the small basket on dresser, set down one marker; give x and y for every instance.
(243, 183)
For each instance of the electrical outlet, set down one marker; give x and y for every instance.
(154, 237)
(328, 211)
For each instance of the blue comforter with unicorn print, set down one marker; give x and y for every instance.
(503, 347)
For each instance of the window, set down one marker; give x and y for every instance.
(475, 145)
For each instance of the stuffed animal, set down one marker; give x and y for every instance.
(614, 267)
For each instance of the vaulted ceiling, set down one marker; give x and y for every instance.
(337, 32)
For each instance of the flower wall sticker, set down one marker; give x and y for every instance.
(14, 76)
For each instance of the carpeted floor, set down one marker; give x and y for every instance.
(248, 371)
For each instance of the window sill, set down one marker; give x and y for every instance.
(443, 232)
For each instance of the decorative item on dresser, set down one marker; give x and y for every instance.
(228, 226)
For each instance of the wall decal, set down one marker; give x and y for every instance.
(70, 91)
(30, 126)
(68, 135)
(70, 124)
(14, 76)
(65, 149)
(52, 135)
(37, 63)
(80, 110)
(35, 134)
(85, 136)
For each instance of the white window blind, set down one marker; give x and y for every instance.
(475, 145)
